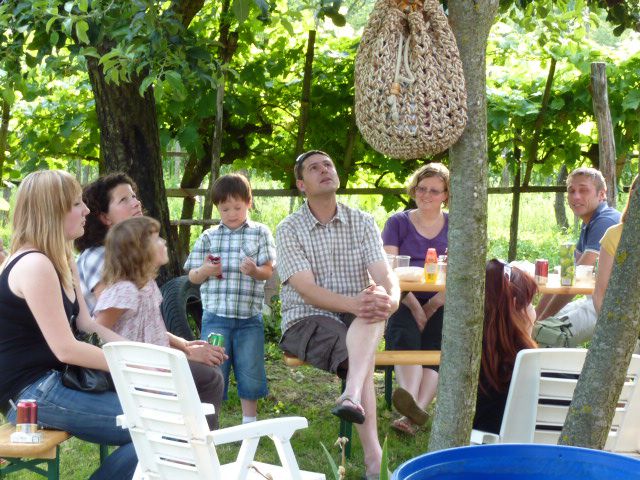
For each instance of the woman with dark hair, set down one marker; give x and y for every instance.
(111, 199)
(508, 322)
(609, 246)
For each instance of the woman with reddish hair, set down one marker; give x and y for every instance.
(508, 321)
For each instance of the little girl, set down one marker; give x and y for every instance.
(130, 303)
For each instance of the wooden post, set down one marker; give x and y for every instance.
(606, 142)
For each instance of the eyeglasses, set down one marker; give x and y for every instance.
(430, 191)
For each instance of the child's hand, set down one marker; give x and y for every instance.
(209, 268)
(248, 266)
(202, 352)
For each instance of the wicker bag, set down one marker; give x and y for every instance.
(410, 94)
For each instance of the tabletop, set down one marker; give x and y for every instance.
(553, 287)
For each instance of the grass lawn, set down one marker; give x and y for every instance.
(305, 391)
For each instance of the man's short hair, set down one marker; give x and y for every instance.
(299, 165)
(233, 185)
(594, 174)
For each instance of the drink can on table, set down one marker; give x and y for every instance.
(542, 271)
(567, 267)
(216, 339)
(27, 416)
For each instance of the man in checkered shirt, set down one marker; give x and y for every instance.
(337, 293)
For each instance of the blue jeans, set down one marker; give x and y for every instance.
(88, 416)
(244, 344)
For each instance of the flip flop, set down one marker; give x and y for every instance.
(405, 404)
(347, 412)
(403, 425)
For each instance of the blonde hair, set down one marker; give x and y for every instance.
(42, 202)
(437, 170)
(130, 253)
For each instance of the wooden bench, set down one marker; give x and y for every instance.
(30, 456)
(387, 359)
(27, 456)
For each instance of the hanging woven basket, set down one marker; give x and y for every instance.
(410, 96)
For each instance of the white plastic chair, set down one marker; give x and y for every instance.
(541, 390)
(168, 426)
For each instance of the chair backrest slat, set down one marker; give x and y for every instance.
(540, 393)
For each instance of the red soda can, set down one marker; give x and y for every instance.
(542, 271)
(27, 416)
(216, 261)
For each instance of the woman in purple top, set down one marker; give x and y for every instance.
(417, 325)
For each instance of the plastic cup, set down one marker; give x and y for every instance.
(391, 260)
(402, 260)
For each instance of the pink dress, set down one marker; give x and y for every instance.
(142, 321)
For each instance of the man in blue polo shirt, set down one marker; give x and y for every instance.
(587, 197)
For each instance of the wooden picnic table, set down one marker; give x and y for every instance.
(553, 287)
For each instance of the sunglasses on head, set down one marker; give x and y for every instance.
(506, 268)
(303, 156)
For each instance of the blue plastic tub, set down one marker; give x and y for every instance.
(519, 462)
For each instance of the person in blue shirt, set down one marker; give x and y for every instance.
(587, 197)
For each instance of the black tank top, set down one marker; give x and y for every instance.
(24, 353)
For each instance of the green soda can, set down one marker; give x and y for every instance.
(567, 265)
(216, 339)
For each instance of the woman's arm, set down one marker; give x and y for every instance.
(34, 279)
(605, 265)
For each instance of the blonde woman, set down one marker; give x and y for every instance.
(38, 297)
(417, 325)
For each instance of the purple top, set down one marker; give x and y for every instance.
(400, 232)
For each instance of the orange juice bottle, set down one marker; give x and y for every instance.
(431, 266)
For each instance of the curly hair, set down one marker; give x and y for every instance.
(97, 196)
(130, 253)
(506, 324)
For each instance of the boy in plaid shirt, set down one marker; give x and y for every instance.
(231, 262)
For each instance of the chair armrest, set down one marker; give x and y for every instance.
(479, 437)
(279, 427)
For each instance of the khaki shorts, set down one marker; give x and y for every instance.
(320, 341)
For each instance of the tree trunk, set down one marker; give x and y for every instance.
(129, 143)
(534, 144)
(596, 395)
(606, 140)
(216, 147)
(4, 133)
(305, 98)
(464, 309)
(515, 205)
(559, 202)
(347, 163)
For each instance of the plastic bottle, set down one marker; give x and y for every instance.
(431, 266)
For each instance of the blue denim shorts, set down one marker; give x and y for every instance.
(244, 344)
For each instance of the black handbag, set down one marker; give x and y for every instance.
(83, 378)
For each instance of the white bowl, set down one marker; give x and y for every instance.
(410, 274)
